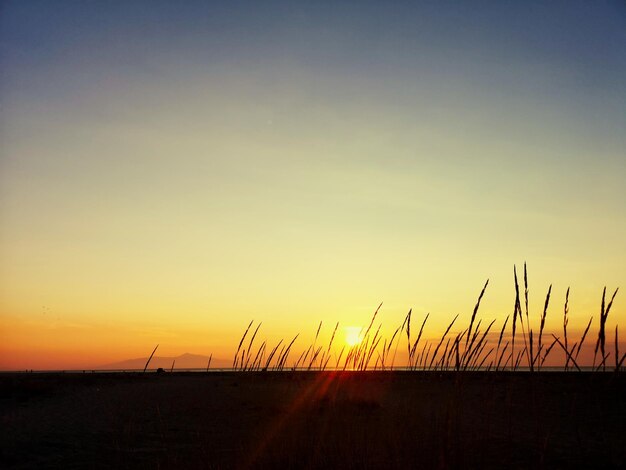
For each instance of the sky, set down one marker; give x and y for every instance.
(170, 171)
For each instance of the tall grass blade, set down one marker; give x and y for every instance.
(565, 321)
(150, 358)
(245, 366)
(566, 352)
(582, 339)
(543, 324)
(515, 310)
(441, 341)
(240, 343)
(482, 292)
(419, 336)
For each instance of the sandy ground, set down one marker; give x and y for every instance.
(313, 420)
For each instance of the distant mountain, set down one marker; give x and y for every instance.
(184, 361)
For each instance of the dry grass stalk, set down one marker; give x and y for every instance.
(425, 354)
(312, 347)
(419, 336)
(502, 355)
(348, 358)
(595, 351)
(582, 339)
(280, 353)
(330, 344)
(404, 323)
(150, 358)
(604, 314)
(455, 348)
(441, 362)
(602, 364)
(518, 360)
(477, 351)
(262, 358)
(326, 362)
(369, 356)
(283, 357)
(616, 351)
(450, 351)
(271, 356)
(297, 363)
(361, 354)
(235, 360)
(565, 321)
(382, 358)
(547, 352)
(306, 354)
(362, 348)
(374, 345)
(469, 331)
(516, 308)
(247, 359)
(441, 341)
(526, 295)
(506, 320)
(317, 334)
(483, 360)
(258, 358)
(572, 349)
(566, 352)
(239, 363)
(542, 325)
(508, 358)
(314, 357)
(373, 318)
(408, 335)
(530, 344)
(378, 358)
(339, 357)
(388, 348)
(526, 348)
(471, 343)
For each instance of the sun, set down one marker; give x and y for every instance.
(353, 335)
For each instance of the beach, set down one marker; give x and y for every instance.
(355, 420)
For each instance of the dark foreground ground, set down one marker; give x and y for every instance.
(313, 420)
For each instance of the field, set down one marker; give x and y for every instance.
(373, 419)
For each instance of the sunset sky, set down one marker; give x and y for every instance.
(170, 171)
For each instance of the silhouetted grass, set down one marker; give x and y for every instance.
(472, 348)
(150, 358)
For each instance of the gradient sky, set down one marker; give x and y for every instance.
(171, 170)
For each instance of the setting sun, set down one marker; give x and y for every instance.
(353, 335)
